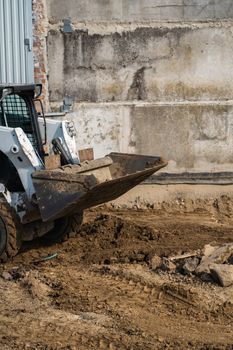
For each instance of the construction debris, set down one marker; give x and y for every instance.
(167, 265)
(214, 255)
(190, 265)
(212, 263)
(46, 258)
(6, 276)
(223, 274)
(184, 256)
(155, 262)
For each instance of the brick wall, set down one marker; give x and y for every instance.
(40, 23)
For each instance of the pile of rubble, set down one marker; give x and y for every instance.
(213, 263)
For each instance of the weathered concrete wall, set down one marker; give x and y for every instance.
(148, 76)
(194, 137)
(140, 10)
(149, 63)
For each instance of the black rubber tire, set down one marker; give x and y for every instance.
(10, 232)
(64, 229)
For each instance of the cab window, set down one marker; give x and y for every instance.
(14, 113)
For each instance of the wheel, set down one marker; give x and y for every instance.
(63, 229)
(10, 232)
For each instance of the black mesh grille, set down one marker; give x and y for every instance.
(15, 113)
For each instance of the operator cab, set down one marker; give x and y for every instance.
(17, 111)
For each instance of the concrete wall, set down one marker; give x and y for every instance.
(140, 10)
(147, 76)
(149, 63)
(194, 137)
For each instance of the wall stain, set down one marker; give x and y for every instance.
(137, 89)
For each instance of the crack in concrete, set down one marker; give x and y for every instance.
(210, 3)
(184, 5)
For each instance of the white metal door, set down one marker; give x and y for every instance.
(16, 55)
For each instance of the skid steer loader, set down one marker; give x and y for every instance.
(44, 187)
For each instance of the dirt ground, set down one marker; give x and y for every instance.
(100, 292)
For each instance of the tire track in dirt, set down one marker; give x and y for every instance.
(124, 296)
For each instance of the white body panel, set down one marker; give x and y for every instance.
(60, 129)
(17, 147)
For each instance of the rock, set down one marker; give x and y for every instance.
(126, 260)
(209, 249)
(156, 262)
(18, 273)
(206, 277)
(7, 276)
(214, 255)
(190, 265)
(160, 339)
(113, 260)
(230, 260)
(140, 257)
(223, 274)
(167, 265)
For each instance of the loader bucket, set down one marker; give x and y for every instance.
(73, 188)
